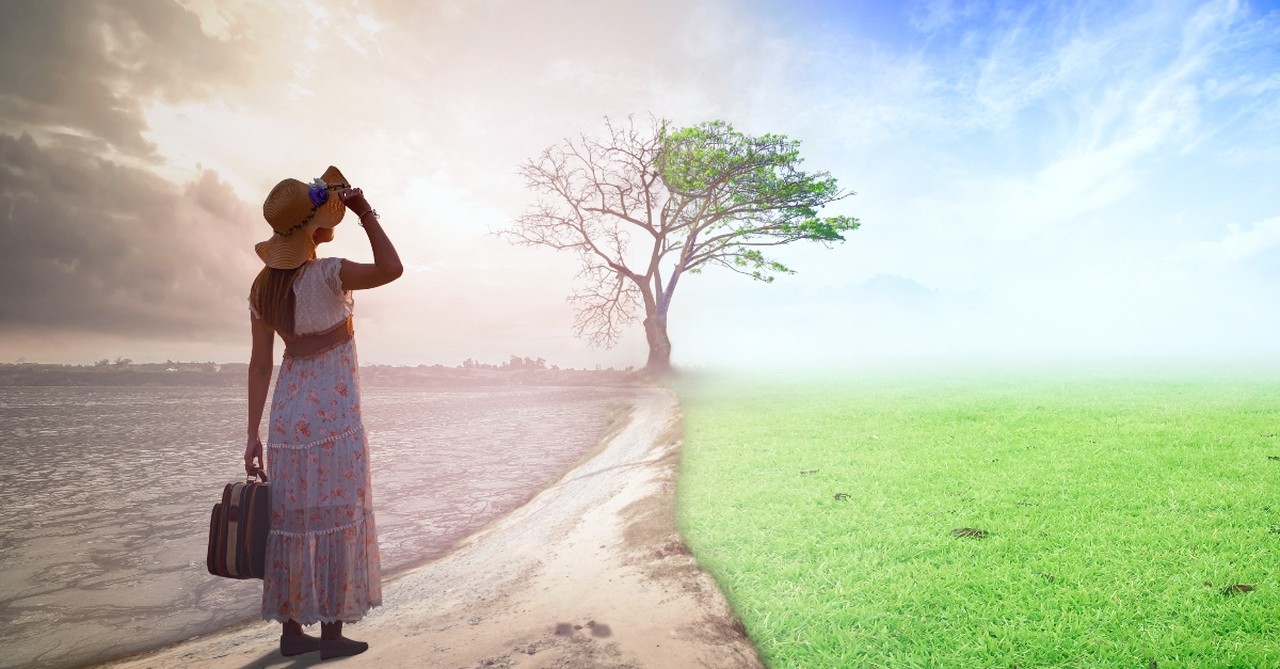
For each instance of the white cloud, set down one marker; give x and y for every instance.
(936, 15)
(1238, 245)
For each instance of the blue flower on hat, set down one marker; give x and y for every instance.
(319, 192)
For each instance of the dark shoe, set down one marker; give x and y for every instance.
(341, 647)
(297, 644)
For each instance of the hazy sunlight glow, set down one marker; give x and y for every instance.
(1080, 181)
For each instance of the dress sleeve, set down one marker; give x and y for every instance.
(330, 271)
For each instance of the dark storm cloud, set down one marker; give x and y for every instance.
(90, 245)
(83, 71)
(91, 241)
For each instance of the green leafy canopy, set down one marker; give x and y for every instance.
(750, 187)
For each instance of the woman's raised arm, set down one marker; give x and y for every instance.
(386, 265)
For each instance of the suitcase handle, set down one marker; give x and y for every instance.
(260, 472)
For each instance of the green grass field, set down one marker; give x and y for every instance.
(1118, 515)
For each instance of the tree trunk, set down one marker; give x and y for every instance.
(655, 330)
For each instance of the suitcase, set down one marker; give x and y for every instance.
(238, 529)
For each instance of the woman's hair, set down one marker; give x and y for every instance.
(272, 298)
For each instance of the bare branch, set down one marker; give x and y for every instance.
(608, 302)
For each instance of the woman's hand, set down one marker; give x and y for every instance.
(354, 199)
(253, 451)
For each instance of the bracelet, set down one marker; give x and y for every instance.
(373, 211)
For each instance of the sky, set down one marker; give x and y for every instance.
(1057, 181)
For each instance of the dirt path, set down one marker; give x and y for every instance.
(591, 573)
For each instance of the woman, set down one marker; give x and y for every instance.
(322, 554)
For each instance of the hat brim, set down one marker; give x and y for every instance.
(290, 251)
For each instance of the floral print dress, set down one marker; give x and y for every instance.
(323, 563)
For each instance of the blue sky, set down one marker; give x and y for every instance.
(1065, 183)
(1047, 182)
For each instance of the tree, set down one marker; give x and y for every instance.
(687, 198)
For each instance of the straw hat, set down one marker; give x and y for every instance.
(294, 210)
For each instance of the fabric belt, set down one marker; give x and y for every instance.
(311, 345)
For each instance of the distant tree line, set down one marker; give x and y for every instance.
(125, 372)
(516, 362)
